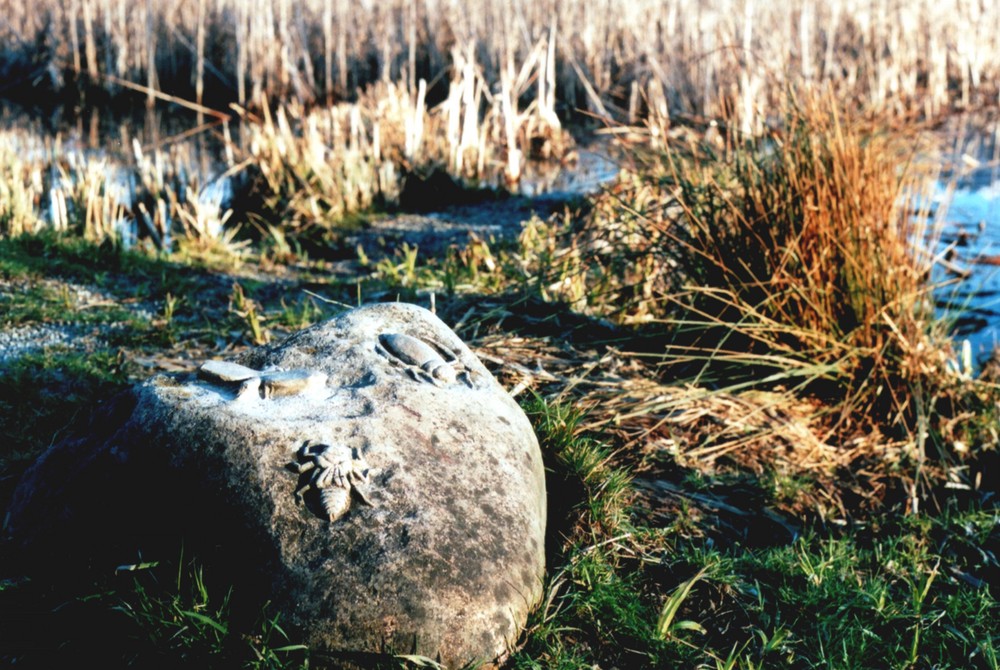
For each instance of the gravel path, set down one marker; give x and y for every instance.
(19, 340)
(16, 342)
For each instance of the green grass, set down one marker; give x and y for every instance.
(907, 593)
(859, 602)
(40, 304)
(145, 615)
(125, 274)
(593, 605)
(194, 300)
(184, 622)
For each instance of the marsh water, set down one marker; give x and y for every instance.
(967, 197)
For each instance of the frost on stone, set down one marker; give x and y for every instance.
(331, 473)
(421, 361)
(266, 384)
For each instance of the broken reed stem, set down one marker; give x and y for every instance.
(74, 35)
(157, 95)
(328, 49)
(90, 45)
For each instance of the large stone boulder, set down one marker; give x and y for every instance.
(367, 476)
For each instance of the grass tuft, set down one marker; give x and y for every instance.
(796, 260)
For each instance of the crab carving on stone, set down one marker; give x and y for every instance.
(332, 473)
(423, 362)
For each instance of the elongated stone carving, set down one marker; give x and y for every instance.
(331, 472)
(422, 361)
(267, 384)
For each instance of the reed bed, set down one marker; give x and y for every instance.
(294, 170)
(322, 165)
(20, 192)
(612, 59)
(154, 197)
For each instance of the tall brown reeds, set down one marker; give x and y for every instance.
(609, 58)
(794, 261)
(301, 168)
(322, 165)
(801, 266)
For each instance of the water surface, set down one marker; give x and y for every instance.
(968, 194)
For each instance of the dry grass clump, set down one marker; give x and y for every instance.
(20, 191)
(791, 259)
(801, 262)
(778, 442)
(782, 441)
(658, 428)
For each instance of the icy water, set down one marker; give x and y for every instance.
(968, 194)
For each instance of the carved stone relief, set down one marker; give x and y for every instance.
(422, 361)
(331, 473)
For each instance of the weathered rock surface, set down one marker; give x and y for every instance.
(368, 476)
